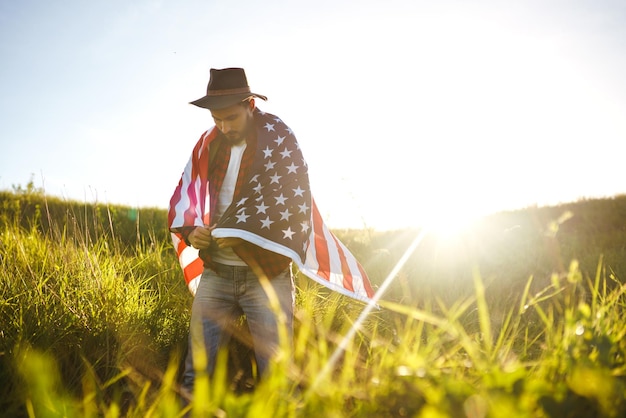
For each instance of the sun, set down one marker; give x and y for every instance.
(448, 224)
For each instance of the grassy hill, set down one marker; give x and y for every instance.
(508, 246)
(521, 314)
(535, 240)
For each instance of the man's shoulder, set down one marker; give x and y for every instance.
(270, 123)
(266, 116)
(205, 142)
(210, 135)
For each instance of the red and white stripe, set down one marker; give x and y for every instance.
(189, 261)
(189, 206)
(331, 264)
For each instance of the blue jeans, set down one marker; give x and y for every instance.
(222, 296)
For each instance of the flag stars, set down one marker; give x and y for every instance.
(242, 217)
(292, 168)
(268, 152)
(266, 223)
(303, 208)
(280, 200)
(275, 178)
(284, 216)
(277, 201)
(270, 165)
(279, 140)
(286, 153)
(298, 191)
(262, 208)
(288, 233)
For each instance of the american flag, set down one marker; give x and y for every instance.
(274, 210)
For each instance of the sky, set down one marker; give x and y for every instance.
(408, 112)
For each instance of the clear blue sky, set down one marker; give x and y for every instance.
(407, 111)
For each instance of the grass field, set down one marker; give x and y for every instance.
(521, 315)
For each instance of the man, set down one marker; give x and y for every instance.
(240, 214)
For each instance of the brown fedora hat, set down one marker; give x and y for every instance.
(227, 87)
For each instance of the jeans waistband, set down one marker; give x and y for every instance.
(228, 269)
(229, 266)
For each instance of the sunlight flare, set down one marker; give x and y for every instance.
(373, 303)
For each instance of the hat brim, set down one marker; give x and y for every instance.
(220, 102)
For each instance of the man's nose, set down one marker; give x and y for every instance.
(225, 128)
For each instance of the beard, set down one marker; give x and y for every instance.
(237, 137)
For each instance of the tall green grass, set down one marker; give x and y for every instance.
(97, 308)
(91, 326)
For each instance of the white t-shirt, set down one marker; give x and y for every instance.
(225, 198)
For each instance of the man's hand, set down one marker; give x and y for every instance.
(200, 237)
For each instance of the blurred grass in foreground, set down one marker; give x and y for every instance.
(91, 326)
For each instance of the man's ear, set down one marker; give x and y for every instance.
(251, 103)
